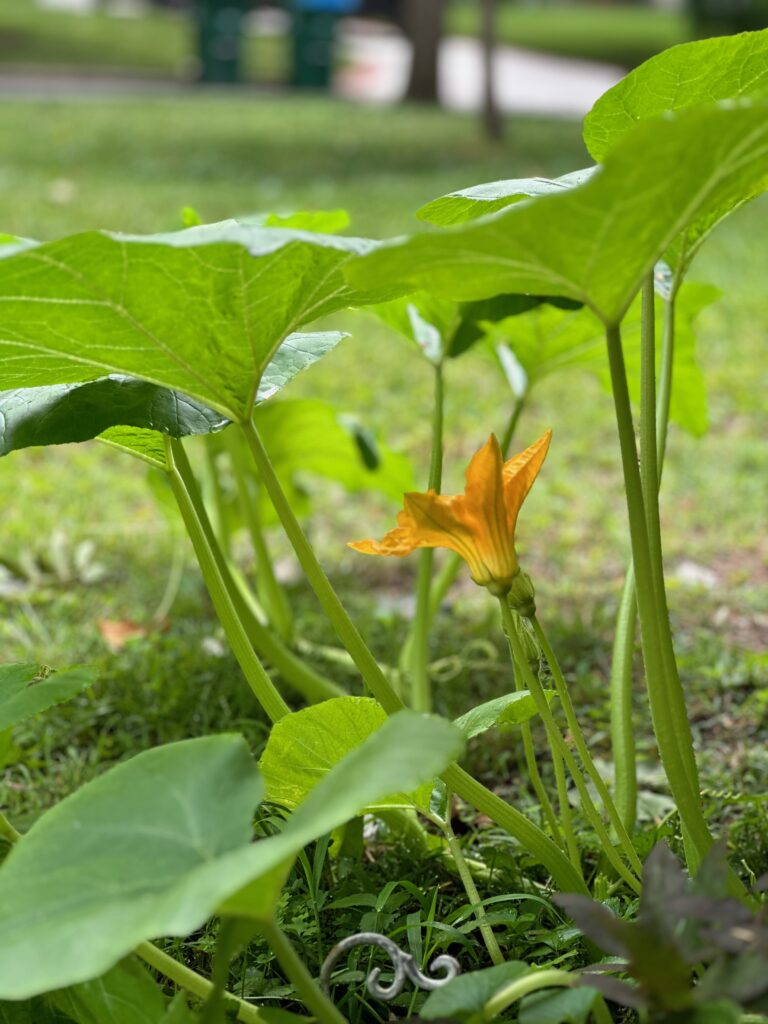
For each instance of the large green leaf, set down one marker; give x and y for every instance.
(479, 200)
(303, 748)
(124, 995)
(424, 320)
(309, 436)
(728, 67)
(441, 329)
(558, 1006)
(464, 997)
(26, 691)
(548, 339)
(595, 243)
(201, 311)
(107, 867)
(66, 413)
(144, 444)
(408, 750)
(157, 844)
(511, 709)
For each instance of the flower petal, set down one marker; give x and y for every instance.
(396, 543)
(519, 474)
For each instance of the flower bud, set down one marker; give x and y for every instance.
(522, 596)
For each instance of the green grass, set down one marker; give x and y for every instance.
(625, 34)
(161, 42)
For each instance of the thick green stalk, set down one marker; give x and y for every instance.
(622, 726)
(345, 629)
(193, 982)
(649, 468)
(583, 750)
(310, 992)
(469, 789)
(557, 743)
(270, 592)
(313, 686)
(622, 730)
(650, 478)
(185, 492)
(670, 720)
(490, 940)
(296, 673)
(567, 878)
(215, 494)
(421, 694)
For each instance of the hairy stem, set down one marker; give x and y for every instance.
(583, 750)
(557, 743)
(571, 844)
(532, 768)
(195, 983)
(421, 695)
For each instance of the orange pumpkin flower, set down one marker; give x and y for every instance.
(479, 524)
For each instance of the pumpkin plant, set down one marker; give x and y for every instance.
(143, 341)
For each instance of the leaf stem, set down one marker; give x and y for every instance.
(571, 845)
(215, 495)
(536, 782)
(310, 684)
(622, 731)
(509, 431)
(7, 831)
(668, 712)
(271, 593)
(192, 510)
(193, 982)
(421, 695)
(621, 689)
(557, 743)
(533, 982)
(296, 972)
(489, 938)
(583, 750)
(469, 789)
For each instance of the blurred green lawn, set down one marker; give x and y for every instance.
(132, 164)
(160, 42)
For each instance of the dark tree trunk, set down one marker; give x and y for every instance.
(491, 113)
(423, 23)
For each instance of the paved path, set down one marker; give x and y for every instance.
(377, 63)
